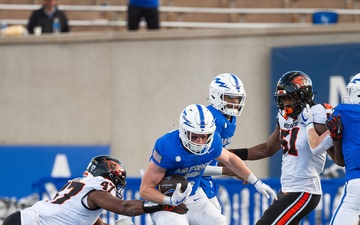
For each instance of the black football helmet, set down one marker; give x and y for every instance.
(296, 86)
(110, 168)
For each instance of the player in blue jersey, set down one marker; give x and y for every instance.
(227, 99)
(344, 126)
(187, 151)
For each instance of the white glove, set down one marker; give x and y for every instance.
(178, 197)
(265, 190)
(307, 117)
(261, 187)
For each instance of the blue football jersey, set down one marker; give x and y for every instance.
(226, 129)
(170, 154)
(350, 118)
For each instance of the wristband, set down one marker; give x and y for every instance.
(252, 179)
(167, 200)
(150, 207)
(242, 153)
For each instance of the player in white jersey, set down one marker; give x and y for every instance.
(344, 125)
(302, 135)
(187, 151)
(82, 200)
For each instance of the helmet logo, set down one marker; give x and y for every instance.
(355, 80)
(220, 83)
(115, 167)
(186, 121)
(300, 81)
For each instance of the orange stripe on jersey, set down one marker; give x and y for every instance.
(294, 209)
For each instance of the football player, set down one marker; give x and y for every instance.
(227, 100)
(344, 124)
(82, 200)
(187, 151)
(303, 137)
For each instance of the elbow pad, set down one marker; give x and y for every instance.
(323, 146)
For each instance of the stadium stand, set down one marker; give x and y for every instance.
(98, 15)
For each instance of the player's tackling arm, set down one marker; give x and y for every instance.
(107, 201)
(263, 150)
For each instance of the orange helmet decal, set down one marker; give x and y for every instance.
(300, 81)
(115, 168)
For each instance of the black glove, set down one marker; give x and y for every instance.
(335, 127)
(150, 207)
(180, 209)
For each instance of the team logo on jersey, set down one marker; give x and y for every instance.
(291, 125)
(157, 156)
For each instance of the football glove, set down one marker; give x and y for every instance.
(265, 190)
(180, 209)
(262, 188)
(306, 116)
(335, 127)
(178, 197)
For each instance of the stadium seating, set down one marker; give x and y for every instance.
(189, 13)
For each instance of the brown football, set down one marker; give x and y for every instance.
(168, 184)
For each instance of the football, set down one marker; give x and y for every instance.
(168, 184)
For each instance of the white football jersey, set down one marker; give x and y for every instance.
(301, 168)
(69, 206)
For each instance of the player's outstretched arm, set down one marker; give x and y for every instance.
(240, 168)
(110, 203)
(260, 151)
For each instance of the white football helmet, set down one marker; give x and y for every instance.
(230, 85)
(353, 89)
(196, 119)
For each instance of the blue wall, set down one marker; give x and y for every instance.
(23, 166)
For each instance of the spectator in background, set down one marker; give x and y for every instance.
(45, 16)
(149, 9)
